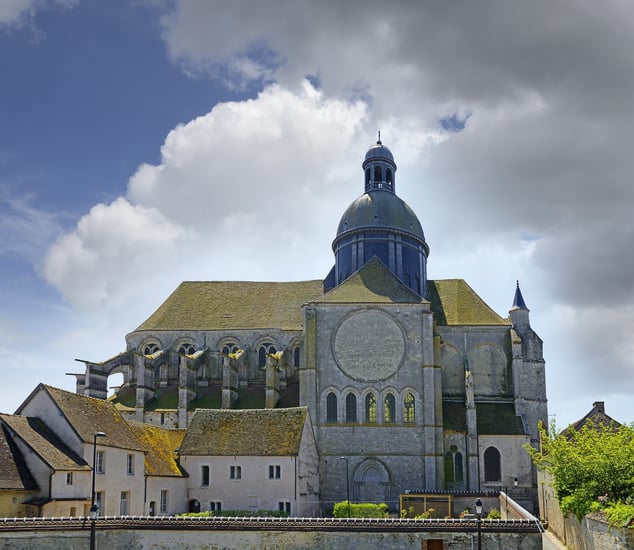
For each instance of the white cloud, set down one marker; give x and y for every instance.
(20, 13)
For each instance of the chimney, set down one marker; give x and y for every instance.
(599, 406)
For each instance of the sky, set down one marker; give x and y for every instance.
(147, 142)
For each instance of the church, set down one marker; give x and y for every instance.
(411, 384)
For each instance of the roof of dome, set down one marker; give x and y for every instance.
(380, 209)
(379, 151)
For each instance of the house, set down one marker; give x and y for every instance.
(77, 421)
(166, 482)
(17, 484)
(252, 459)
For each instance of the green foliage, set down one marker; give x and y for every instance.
(237, 514)
(620, 514)
(494, 513)
(361, 510)
(411, 513)
(592, 468)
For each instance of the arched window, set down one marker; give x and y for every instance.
(378, 177)
(331, 407)
(367, 179)
(296, 357)
(370, 408)
(453, 467)
(229, 347)
(150, 348)
(389, 409)
(264, 349)
(492, 469)
(409, 409)
(351, 407)
(388, 178)
(186, 349)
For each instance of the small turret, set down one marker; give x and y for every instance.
(519, 313)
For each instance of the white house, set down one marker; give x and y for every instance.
(254, 459)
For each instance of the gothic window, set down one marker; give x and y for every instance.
(389, 408)
(370, 408)
(229, 347)
(409, 409)
(186, 349)
(453, 466)
(331, 407)
(296, 357)
(263, 351)
(150, 348)
(492, 469)
(351, 407)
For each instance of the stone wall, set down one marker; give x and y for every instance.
(280, 540)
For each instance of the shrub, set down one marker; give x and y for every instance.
(361, 510)
(237, 514)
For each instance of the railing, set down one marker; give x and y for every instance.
(271, 523)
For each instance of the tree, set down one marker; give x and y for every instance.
(592, 468)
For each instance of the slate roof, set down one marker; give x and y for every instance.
(160, 445)
(492, 418)
(595, 418)
(14, 473)
(43, 442)
(252, 432)
(454, 302)
(88, 415)
(213, 305)
(373, 283)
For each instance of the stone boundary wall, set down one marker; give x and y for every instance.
(234, 533)
(592, 533)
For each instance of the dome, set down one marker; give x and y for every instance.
(380, 210)
(378, 151)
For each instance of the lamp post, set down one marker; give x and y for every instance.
(478, 507)
(347, 484)
(94, 510)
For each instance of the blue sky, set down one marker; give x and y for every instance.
(148, 142)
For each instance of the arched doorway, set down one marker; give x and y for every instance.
(194, 505)
(371, 482)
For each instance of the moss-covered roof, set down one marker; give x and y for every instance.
(454, 302)
(228, 432)
(492, 418)
(373, 283)
(42, 441)
(88, 415)
(234, 305)
(160, 445)
(14, 473)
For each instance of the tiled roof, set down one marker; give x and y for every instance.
(160, 445)
(595, 418)
(14, 473)
(234, 305)
(88, 415)
(47, 445)
(373, 283)
(454, 302)
(265, 432)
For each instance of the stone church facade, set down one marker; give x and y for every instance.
(411, 384)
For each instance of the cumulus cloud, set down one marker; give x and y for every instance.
(530, 181)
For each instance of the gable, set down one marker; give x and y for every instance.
(373, 283)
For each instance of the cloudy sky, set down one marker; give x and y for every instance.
(146, 142)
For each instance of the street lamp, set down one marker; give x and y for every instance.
(347, 484)
(478, 507)
(94, 509)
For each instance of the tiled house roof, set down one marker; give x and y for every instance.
(14, 473)
(595, 418)
(88, 415)
(373, 283)
(252, 432)
(454, 302)
(160, 445)
(42, 441)
(218, 305)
